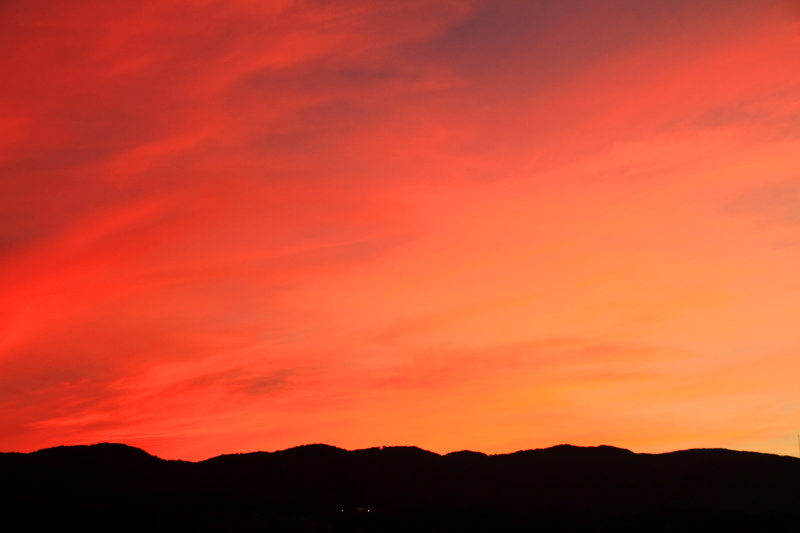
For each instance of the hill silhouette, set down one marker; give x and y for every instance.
(401, 489)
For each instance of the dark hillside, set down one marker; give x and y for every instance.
(400, 489)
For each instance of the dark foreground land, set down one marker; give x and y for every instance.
(113, 487)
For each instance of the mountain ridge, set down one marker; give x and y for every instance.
(134, 449)
(319, 487)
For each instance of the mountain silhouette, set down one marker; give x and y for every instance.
(114, 487)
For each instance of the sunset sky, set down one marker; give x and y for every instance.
(229, 226)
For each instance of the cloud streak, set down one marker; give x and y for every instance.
(237, 226)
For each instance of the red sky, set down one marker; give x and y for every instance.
(247, 225)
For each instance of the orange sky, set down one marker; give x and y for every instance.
(246, 225)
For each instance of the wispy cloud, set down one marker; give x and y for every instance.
(237, 225)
